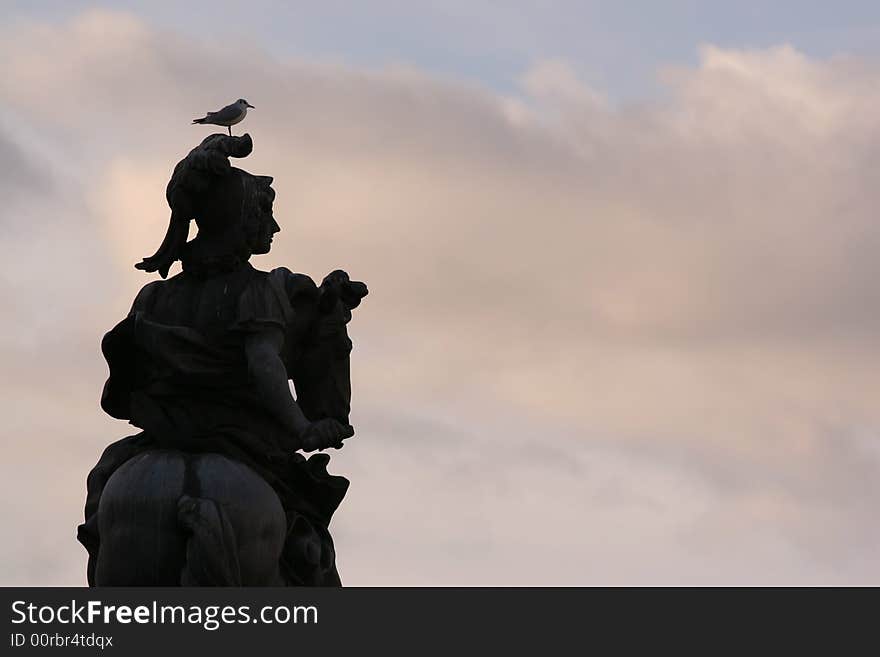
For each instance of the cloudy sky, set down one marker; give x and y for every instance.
(624, 318)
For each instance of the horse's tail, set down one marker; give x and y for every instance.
(211, 548)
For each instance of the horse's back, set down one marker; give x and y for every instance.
(168, 518)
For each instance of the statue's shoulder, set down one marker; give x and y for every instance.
(149, 293)
(295, 286)
(146, 296)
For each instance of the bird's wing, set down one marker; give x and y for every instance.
(226, 114)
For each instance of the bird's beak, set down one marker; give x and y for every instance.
(251, 106)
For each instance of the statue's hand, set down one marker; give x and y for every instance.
(325, 433)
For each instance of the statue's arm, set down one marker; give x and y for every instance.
(269, 375)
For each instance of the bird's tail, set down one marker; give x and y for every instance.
(202, 120)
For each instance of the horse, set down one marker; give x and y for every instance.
(172, 518)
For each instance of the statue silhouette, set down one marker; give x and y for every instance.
(213, 490)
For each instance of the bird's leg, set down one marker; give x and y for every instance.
(229, 127)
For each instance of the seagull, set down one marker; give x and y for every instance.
(228, 116)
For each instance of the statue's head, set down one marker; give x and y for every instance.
(257, 218)
(231, 207)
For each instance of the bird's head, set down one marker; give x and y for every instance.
(242, 101)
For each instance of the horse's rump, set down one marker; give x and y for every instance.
(170, 518)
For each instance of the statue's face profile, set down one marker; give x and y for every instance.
(261, 224)
(263, 239)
